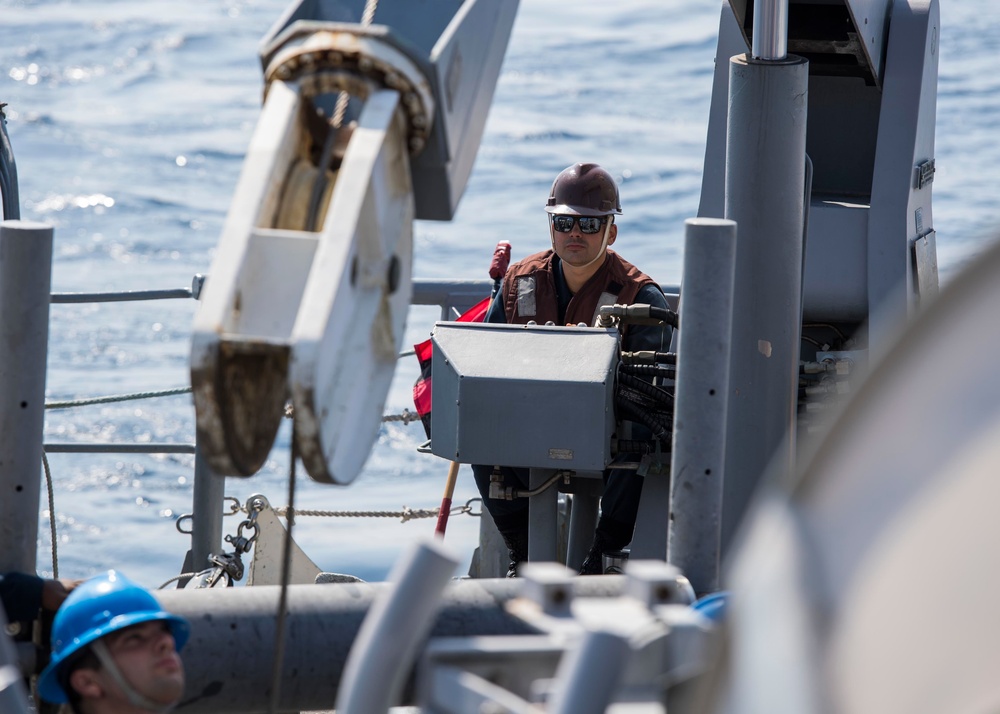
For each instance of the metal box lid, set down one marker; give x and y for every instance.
(519, 395)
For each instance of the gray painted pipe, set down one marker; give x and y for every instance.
(25, 278)
(588, 675)
(206, 526)
(542, 518)
(765, 178)
(395, 627)
(228, 657)
(701, 398)
(770, 30)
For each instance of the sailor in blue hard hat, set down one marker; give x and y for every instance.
(114, 650)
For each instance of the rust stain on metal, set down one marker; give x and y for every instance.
(251, 390)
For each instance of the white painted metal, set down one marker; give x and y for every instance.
(349, 327)
(317, 316)
(250, 301)
(269, 553)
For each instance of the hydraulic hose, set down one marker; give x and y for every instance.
(650, 390)
(636, 414)
(637, 314)
(632, 446)
(649, 357)
(650, 370)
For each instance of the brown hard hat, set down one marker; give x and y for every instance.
(584, 190)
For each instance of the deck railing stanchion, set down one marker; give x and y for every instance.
(206, 526)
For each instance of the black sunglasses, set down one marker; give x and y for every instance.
(588, 224)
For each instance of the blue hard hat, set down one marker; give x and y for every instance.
(102, 605)
(713, 606)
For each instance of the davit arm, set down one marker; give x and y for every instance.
(365, 127)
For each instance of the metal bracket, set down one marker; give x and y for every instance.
(925, 174)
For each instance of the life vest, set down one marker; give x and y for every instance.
(530, 290)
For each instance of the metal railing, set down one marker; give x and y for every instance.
(452, 296)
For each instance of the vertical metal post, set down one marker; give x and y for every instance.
(206, 528)
(765, 176)
(25, 284)
(542, 518)
(770, 30)
(701, 399)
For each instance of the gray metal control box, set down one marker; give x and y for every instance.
(519, 395)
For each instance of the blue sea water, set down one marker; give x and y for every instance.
(129, 121)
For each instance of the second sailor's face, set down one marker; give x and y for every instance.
(576, 247)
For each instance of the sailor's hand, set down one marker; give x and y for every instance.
(55, 591)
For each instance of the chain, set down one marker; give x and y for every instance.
(406, 417)
(228, 567)
(406, 514)
(240, 542)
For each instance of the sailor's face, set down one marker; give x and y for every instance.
(578, 248)
(147, 657)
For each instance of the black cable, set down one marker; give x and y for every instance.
(658, 394)
(642, 314)
(636, 414)
(650, 370)
(636, 446)
(665, 314)
(828, 326)
(649, 357)
(663, 415)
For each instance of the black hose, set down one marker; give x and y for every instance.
(650, 370)
(665, 314)
(636, 414)
(653, 409)
(656, 393)
(636, 446)
(640, 314)
(649, 357)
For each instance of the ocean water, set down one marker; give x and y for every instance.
(129, 121)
